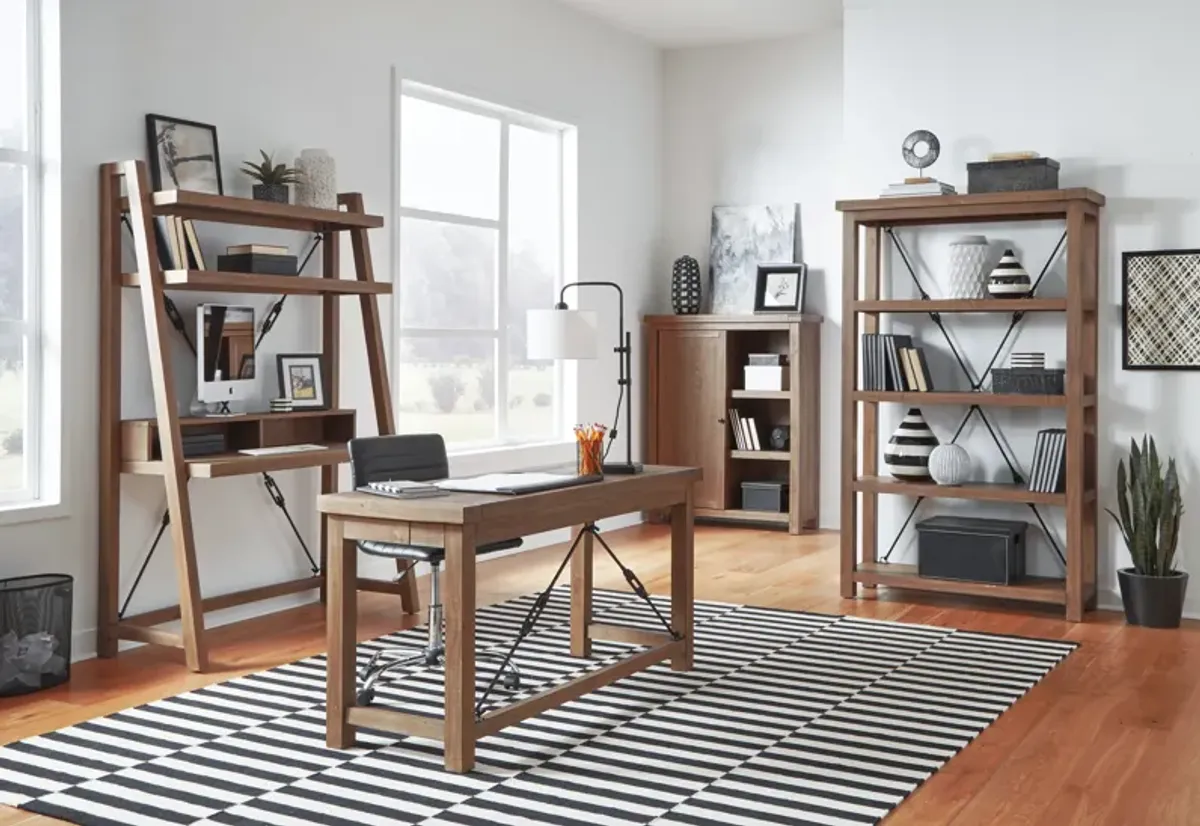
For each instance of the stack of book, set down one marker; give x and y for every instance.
(203, 441)
(745, 431)
(892, 363)
(917, 186)
(178, 246)
(1049, 474)
(403, 489)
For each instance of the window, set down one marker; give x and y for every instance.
(20, 250)
(481, 241)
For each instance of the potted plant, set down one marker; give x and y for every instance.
(272, 178)
(1150, 505)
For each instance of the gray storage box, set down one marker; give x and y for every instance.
(1029, 381)
(1012, 176)
(771, 497)
(971, 550)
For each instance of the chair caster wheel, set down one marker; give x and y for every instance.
(512, 682)
(365, 697)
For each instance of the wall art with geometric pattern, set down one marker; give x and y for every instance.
(1161, 310)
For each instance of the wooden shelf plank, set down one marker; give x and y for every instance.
(963, 305)
(201, 206)
(1031, 589)
(761, 394)
(966, 398)
(737, 515)
(239, 464)
(983, 492)
(249, 417)
(977, 208)
(761, 455)
(242, 282)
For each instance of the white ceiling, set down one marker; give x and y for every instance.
(675, 23)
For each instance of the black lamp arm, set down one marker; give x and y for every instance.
(622, 344)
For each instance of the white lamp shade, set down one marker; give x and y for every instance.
(560, 334)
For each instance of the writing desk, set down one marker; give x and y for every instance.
(459, 522)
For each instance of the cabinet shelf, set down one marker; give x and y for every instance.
(980, 491)
(963, 305)
(761, 394)
(967, 398)
(1030, 589)
(244, 282)
(739, 515)
(761, 455)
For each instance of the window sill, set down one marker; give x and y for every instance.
(502, 458)
(18, 513)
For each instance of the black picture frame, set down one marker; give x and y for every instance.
(154, 130)
(766, 301)
(286, 362)
(1146, 321)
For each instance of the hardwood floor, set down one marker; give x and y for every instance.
(1110, 738)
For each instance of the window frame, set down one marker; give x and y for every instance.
(498, 333)
(30, 327)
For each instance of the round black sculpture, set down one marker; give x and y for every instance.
(780, 437)
(909, 149)
(685, 286)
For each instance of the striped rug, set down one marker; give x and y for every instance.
(788, 718)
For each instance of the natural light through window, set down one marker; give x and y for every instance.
(481, 242)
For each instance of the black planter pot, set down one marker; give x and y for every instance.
(276, 193)
(1152, 601)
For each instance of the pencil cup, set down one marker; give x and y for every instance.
(590, 457)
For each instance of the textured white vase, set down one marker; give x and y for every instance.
(317, 186)
(968, 257)
(949, 465)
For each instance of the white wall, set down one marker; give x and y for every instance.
(285, 74)
(761, 123)
(1103, 88)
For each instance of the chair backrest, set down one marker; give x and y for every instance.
(419, 457)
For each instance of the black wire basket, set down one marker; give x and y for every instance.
(35, 633)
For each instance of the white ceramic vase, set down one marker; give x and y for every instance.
(949, 465)
(317, 186)
(968, 257)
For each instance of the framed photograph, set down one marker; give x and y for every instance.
(301, 380)
(780, 288)
(183, 155)
(1160, 301)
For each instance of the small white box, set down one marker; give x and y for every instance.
(766, 377)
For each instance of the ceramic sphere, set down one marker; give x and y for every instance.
(949, 465)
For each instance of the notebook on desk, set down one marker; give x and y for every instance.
(402, 489)
(514, 484)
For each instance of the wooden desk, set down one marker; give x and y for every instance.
(460, 522)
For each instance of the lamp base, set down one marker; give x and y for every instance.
(622, 468)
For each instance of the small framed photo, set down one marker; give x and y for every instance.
(183, 155)
(780, 288)
(301, 380)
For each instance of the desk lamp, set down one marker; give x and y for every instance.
(563, 334)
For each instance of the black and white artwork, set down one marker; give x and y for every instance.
(1161, 310)
(742, 238)
(183, 155)
(780, 288)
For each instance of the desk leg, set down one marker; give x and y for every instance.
(581, 596)
(458, 599)
(341, 621)
(683, 577)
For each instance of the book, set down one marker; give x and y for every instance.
(895, 343)
(256, 249)
(909, 190)
(403, 489)
(178, 242)
(1056, 481)
(745, 423)
(193, 243)
(755, 444)
(1039, 450)
(926, 378)
(166, 255)
(735, 425)
(1012, 156)
(910, 375)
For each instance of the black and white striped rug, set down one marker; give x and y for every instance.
(788, 718)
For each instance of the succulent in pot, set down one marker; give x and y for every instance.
(1149, 508)
(272, 179)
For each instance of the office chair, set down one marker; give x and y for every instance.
(414, 458)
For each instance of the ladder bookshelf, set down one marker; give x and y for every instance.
(154, 446)
(867, 224)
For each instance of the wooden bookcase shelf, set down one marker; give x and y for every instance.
(864, 305)
(695, 371)
(155, 446)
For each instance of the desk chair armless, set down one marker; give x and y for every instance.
(414, 458)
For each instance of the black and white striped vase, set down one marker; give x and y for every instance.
(685, 286)
(907, 453)
(1009, 279)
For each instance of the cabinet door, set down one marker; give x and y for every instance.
(691, 385)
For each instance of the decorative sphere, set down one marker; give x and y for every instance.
(949, 464)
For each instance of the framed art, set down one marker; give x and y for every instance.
(740, 239)
(183, 155)
(1160, 310)
(301, 380)
(780, 288)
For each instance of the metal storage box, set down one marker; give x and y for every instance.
(971, 550)
(1027, 381)
(1012, 176)
(765, 496)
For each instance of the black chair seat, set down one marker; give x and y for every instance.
(419, 553)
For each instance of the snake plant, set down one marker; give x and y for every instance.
(269, 173)
(1150, 505)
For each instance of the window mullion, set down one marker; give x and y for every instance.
(502, 319)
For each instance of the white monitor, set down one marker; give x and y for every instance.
(226, 370)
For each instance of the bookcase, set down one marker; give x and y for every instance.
(695, 378)
(867, 226)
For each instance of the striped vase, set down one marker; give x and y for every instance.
(907, 452)
(1009, 279)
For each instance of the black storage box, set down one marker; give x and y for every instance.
(765, 496)
(971, 550)
(35, 633)
(259, 264)
(1012, 176)
(1029, 381)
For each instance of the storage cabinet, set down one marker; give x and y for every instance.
(695, 377)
